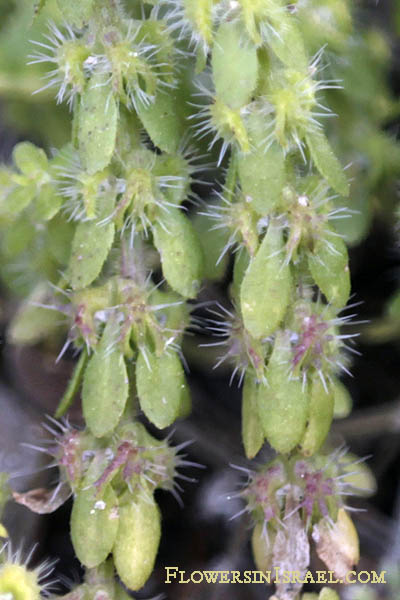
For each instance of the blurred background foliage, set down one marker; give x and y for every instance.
(366, 58)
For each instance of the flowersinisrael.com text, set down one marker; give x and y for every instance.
(276, 575)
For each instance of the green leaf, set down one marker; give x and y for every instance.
(356, 229)
(328, 594)
(29, 159)
(262, 177)
(240, 266)
(326, 162)
(18, 199)
(90, 248)
(137, 541)
(212, 242)
(73, 386)
(342, 399)
(185, 405)
(105, 384)
(329, 268)
(234, 65)
(128, 133)
(180, 251)
(5, 490)
(319, 418)
(160, 382)
(286, 41)
(94, 518)
(252, 431)
(60, 234)
(360, 478)
(120, 593)
(282, 403)
(174, 314)
(174, 165)
(47, 203)
(164, 120)
(18, 238)
(266, 286)
(97, 127)
(32, 324)
(38, 7)
(76, 14)
(262, 548)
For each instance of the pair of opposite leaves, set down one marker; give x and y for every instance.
(160, 382)
(129, 527)
(266, 288)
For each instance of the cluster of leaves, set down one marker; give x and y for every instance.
(152, 89)
(294, 500)
(113, 480)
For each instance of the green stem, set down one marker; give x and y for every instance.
(73, 385)
(231, 176)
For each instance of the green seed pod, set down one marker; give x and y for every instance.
(29, 159)
(76, 13)
(262, 176)
(234, 65)
(252, 431)
(342, 399)
(283, 404)
(105, 384)
(137, 541)
(326, 162)
(266, 286)
(181, 253)
(262, 548)
(319, 418)
(329, 268)
(94, 518)
(97, 127)
(90, 248)
(159, 381)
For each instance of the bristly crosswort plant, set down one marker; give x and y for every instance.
(159, 92)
